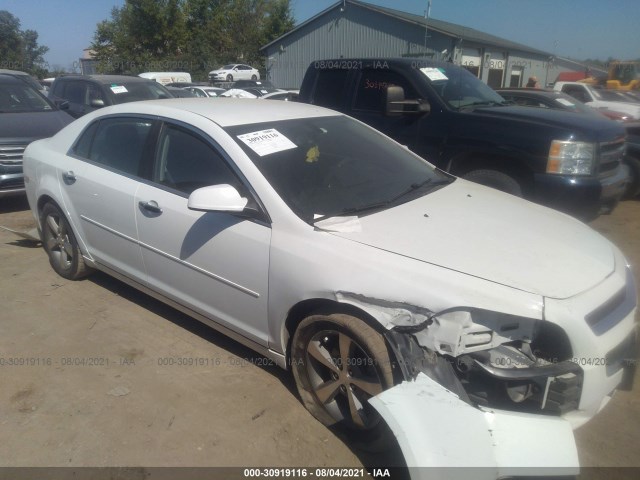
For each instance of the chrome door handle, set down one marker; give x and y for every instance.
(69, 177)
(151, 206)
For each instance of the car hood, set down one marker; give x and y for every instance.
(29, 126)
(622, 107)
(491, 235)
(599, 128)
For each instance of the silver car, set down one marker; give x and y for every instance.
(463, 319)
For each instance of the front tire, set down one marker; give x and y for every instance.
(60, 244)
(229, 78)
(495, 179)
(339, 362)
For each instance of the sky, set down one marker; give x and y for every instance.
(578, 29)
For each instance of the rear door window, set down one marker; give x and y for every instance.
(116, 143)
(329, 88)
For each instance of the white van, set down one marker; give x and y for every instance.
(167, 77)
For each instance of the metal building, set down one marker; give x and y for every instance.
(355, 29)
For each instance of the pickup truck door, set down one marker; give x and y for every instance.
(368, 105)
(420, 132)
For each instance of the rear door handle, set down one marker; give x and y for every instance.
(151, 206)
(69, 177)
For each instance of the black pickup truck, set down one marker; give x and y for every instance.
(448, 116)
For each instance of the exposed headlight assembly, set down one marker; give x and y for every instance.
(571, 158)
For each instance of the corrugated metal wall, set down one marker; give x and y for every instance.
(354, 33)
(358, 32)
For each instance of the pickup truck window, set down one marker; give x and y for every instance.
(459, 88)
(372, 85)
(329, 88)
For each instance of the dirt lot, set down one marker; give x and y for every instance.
(96, 386)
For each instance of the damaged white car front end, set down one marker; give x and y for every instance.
(502, 348)
(500, 392)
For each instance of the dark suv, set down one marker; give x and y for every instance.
(25, 116)
(87, 93)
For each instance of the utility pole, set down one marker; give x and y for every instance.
(427, 14)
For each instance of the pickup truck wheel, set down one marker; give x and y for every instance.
(339, 362)
(495, 179)
(60, 244)
(633, 187)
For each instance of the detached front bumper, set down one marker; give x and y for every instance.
(436, 429)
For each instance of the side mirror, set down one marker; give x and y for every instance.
(217, 198)
(396, 105)
(97, 103)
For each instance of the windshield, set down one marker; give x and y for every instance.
(458, 88)
(134, 91)
(330, 166)
(18, 97)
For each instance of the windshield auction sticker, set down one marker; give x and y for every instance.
(119, 89)
(434, 74)
(266, 142)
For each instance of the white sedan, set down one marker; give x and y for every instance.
(205, 92)
(233, 72)
(479, 327)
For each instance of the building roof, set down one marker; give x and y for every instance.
(445, 28)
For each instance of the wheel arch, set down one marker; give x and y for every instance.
(320, 306)
(506, 163)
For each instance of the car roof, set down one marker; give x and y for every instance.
(10, 78)
(226, 112)
(13, 72)
(107, 79)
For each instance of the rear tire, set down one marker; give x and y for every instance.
(60, 244)
(495, 179)
(254, 78)
(339, 362)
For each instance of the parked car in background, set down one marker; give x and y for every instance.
(266, 84)
(180, 92)
(448, 116)
(25, 77)
(238, 93)
(234, 71)
(291, 96)
(204, 92)
(167, 77)
(395, 292)
(600, 98)
(86, 93)
(25, 116)
(558, 100)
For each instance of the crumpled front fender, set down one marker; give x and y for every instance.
(434, 428)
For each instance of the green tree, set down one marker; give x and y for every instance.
(189, 35)
(19, 50)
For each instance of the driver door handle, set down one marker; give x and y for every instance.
(151, 206)
(69, 177)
